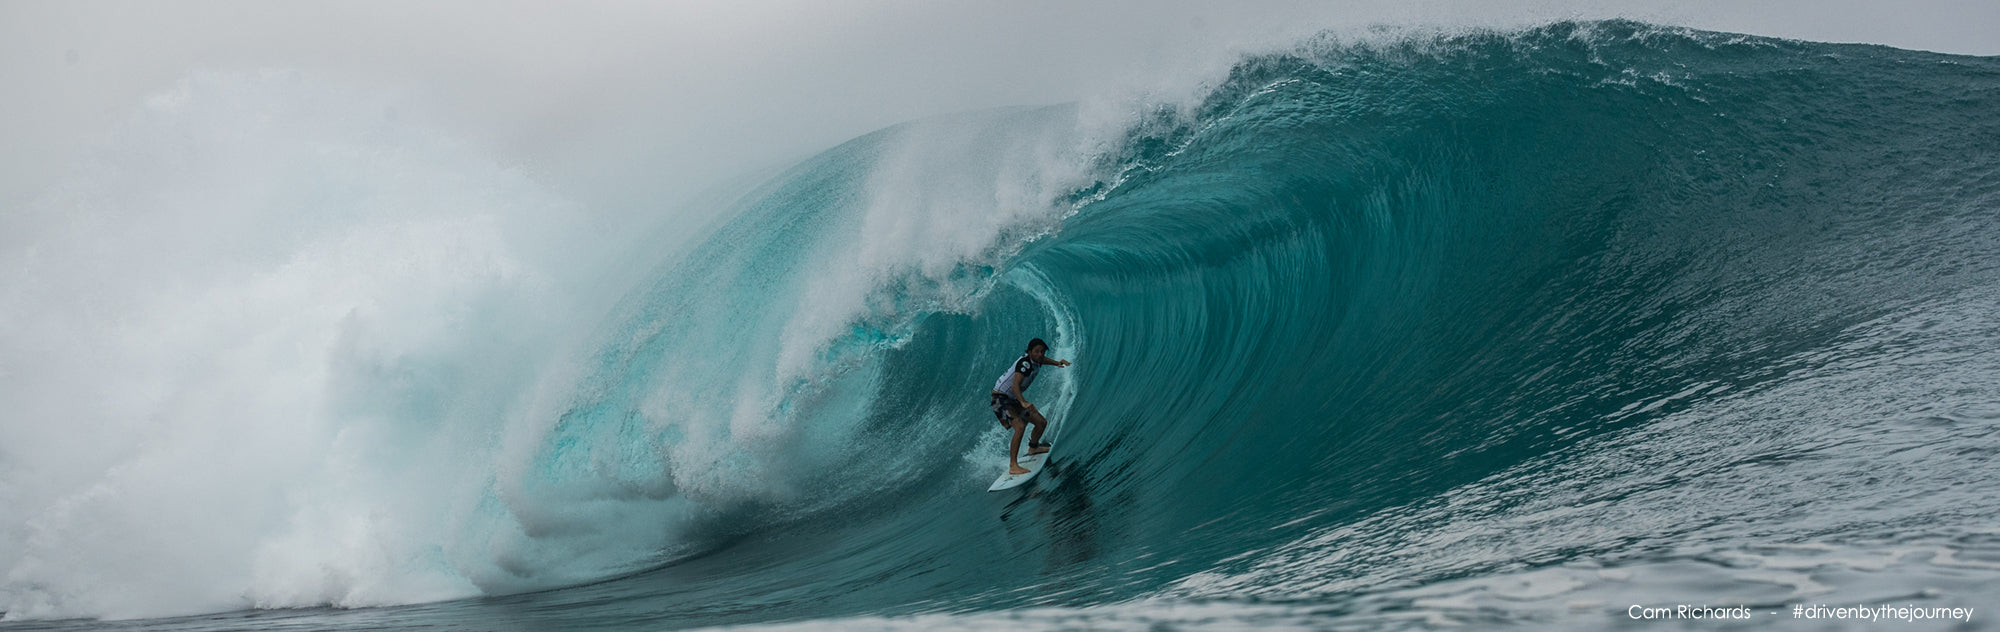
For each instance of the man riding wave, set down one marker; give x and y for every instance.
(1014, 411)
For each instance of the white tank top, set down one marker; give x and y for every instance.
(1026, 367)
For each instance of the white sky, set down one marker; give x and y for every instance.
(602, 91)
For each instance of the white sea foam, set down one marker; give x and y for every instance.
(1134, 615)
(260, 348)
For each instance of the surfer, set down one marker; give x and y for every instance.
(1014, 411)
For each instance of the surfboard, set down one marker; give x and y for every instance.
(1034, 464)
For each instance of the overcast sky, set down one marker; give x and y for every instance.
(604, 89)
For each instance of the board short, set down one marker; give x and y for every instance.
(1005, 406)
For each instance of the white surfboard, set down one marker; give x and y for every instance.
(1034, 464)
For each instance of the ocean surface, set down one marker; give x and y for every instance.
(1481, 329)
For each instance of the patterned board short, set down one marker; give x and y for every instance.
(1005, 406)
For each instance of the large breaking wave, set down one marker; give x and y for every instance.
(1471, 327)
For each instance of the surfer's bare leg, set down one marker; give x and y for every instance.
(1014, 447)
(1041, 423)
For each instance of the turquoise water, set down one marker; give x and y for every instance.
(1507, 329)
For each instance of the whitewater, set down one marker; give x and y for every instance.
(1499, 329)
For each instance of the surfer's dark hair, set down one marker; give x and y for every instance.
(1036, 343)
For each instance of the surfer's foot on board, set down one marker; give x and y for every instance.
(1037, 450)
(1016, 470)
